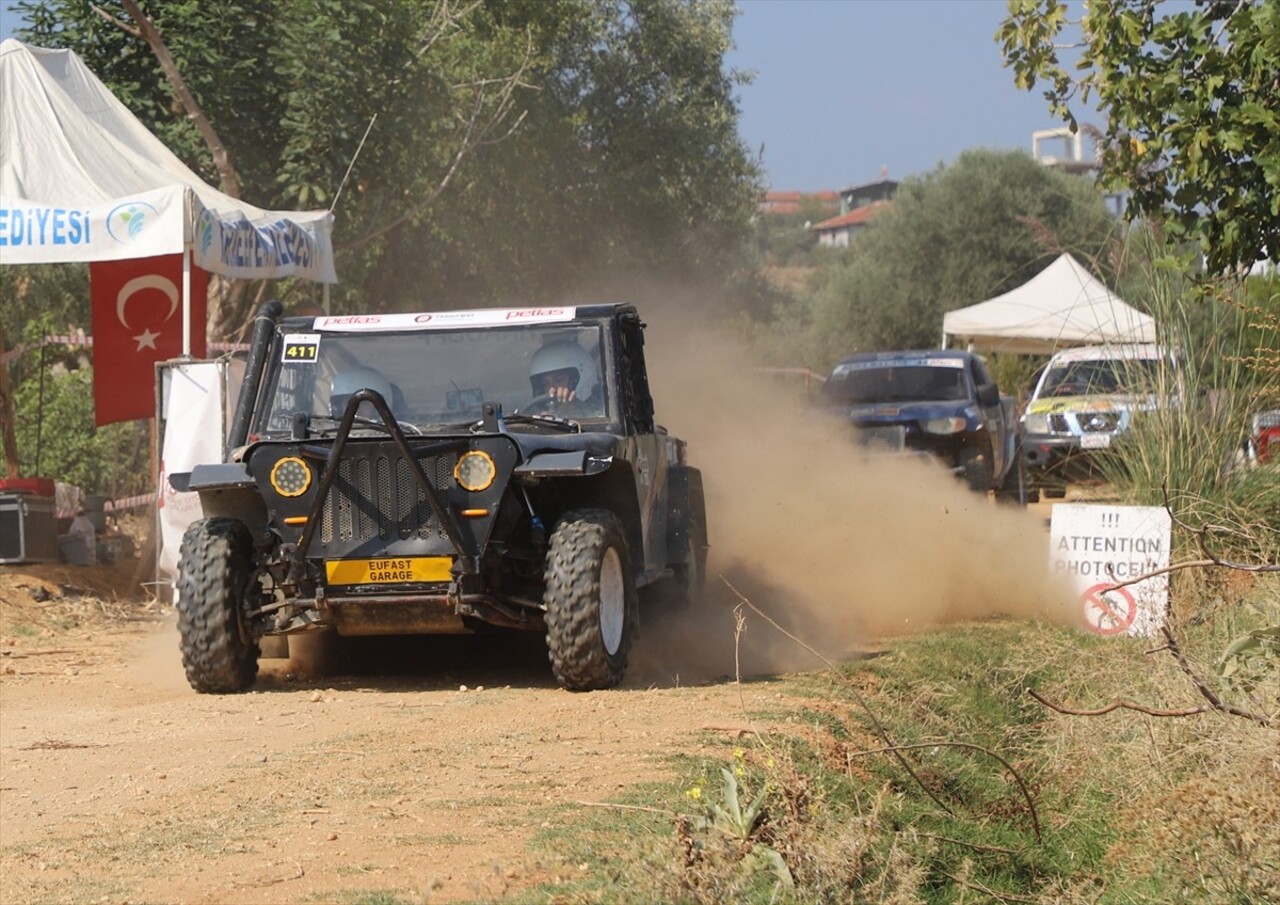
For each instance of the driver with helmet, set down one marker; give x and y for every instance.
(563, 372)
(350, 380)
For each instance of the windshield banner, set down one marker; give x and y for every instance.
(443, 320)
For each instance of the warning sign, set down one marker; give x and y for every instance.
(1099, 547)
(1109, 610)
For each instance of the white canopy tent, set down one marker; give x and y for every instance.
(82, 179)
(1063, 305)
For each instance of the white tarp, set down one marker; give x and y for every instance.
(197, 399)
(82, 179)
(1063, 305)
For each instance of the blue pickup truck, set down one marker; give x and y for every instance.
(941, 402)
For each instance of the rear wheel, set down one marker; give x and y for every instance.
(589, 599)
(215, 566)
(691, 575)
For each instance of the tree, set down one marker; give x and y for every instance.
(1191, 97)
(983, 225)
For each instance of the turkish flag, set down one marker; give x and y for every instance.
(137, 321)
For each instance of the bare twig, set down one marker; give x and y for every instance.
(1215, 702)
(1202, 533)
(998, 896)
(1203, 687)
(56, 744)
(627, 807)
(739, 626)
(969, 746)
(475, 134)
(221, 157)
(274, 880)
(972, 845)
(20, 655)
(857, 695)
(1118, 705)
(727, 727)
(119, 23)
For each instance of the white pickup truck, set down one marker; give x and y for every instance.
(1084, 401)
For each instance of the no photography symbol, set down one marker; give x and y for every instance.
(1108, 610)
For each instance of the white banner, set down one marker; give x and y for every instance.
(266, 247)
(84, 180)
(139, 226)
(197, 399)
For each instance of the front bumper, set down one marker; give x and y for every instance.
(1054, 459)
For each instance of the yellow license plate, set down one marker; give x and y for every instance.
(389, 571)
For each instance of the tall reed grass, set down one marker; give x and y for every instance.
(1186, 448)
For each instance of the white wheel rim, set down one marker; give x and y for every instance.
(613, 601)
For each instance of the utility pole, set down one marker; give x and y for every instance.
(6, 418)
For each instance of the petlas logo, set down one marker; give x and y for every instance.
(127, 221)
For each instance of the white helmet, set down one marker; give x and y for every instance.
(348, 382)
(562, 356)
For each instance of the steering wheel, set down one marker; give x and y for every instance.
(544, 403)
(1068, 389)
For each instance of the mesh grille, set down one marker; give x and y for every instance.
(375, 496)
(1058, 424)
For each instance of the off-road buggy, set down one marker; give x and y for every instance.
(406, 474)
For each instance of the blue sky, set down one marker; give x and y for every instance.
(845, 87)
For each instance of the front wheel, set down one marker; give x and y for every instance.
(975, 466)
(589, 600)
(215, 565)
(1015, 490)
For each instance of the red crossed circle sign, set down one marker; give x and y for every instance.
(1108, 610)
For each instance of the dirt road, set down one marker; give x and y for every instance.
(119, 784)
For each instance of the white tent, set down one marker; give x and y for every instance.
(82, 179)
(1063, 305)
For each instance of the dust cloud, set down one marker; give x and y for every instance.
(839, 548)
(156, 659)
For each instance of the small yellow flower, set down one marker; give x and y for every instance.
(769, 762)
(738, 771)
(739, 753)
(695, 793)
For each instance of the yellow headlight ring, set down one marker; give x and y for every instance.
(468, 463)
(290, 477)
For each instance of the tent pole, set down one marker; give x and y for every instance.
(186, 301)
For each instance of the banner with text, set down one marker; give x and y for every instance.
(1101, 550)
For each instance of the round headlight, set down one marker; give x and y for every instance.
(475, 471)
(290, 477)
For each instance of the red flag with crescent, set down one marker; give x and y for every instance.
(137, 321)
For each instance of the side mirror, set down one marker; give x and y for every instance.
(988, 394)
